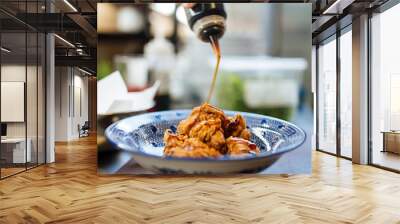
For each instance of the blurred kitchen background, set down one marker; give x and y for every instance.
(266, 52)
(265, 65)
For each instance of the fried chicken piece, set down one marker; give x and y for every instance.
(192, 148)
(173, 140)
(209, 112)
(185, 125)
(240, 147)
(204, 112)
(211, 133)
(236, 127)
(207, 132)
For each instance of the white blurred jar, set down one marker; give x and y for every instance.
(159, 53)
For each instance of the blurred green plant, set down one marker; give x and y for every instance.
(230, 92)
(104, 68)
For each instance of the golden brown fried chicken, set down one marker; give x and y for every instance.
(209, 112)
(236, 127)
(173, 140)
(209, 132)
(193, 148)
(204, 112)
(240, 147)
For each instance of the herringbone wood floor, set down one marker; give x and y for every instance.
(70, 191)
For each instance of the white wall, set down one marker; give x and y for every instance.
(71, 94)
(80, 109)
(62, 81)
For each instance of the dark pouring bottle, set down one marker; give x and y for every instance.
(207, 20)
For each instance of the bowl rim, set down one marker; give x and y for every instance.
(262, 155)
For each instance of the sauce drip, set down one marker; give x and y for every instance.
(217, 52)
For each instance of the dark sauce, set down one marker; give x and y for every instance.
(217, 52)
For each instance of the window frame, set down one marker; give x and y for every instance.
(26, 30)
(378, 10)
(334, 37)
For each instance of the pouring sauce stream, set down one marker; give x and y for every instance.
(217, 52)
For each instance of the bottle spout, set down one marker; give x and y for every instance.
(207, 19)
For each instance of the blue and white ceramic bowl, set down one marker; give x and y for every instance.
(142, 135)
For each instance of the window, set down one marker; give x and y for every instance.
(329, 111)
(346, 94)
(385, 89)
(327, 96)
(22, 101)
